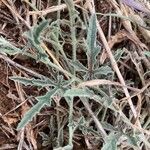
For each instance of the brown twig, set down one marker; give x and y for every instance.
(52, 9)
(16, 13)
(8, 60)
(97, 82)
(97, 122)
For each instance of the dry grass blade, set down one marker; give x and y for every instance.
(136, 5)
(8, 146)
(138, 93)
(8, 60)
(53, 57)
(127, 25)
(98, 124)
(97, 82)
(52, 9)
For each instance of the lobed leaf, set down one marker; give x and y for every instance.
(42, 100)
(33, 82)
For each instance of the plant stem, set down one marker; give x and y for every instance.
(71, 121)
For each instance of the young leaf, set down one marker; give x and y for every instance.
(42, 100)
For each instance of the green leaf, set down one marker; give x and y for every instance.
(33, 82)
(147, 53)
(38, 30)
(78, 66)
(42, 100)
(33, 36)
(85, 92)
(7, 48)
(46, 98)
(30, 114)
(78, 92)
(92, 49)
(108, 103)
(91, 36)
(66, 83)
(111, 142)
(104, 70)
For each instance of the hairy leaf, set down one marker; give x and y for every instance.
(42, 100)
(38, 30)
(78, 66)
(85, 92)
(104, 70)
(91, 36)
(33, 82)
(92, 48)
(78, 92)
(7, 48)
(35, 43)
